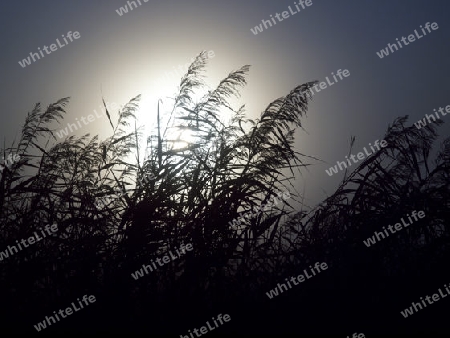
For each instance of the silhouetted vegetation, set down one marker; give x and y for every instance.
(195, 192)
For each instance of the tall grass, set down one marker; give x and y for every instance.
(232, 167)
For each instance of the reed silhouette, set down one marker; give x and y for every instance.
(195, 192)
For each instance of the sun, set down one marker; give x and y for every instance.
(162, 94)
(173, 137)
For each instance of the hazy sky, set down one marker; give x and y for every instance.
(123, 56)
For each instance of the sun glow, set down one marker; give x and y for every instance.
(172, 136)
(161, 92)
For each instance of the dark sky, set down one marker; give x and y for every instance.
(123, 56)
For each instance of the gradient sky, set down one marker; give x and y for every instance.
(122, 56)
